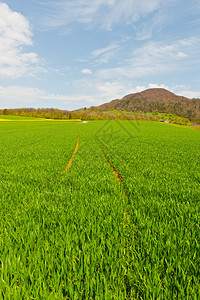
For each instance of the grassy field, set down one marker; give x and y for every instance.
(17, 118)
(122, 222)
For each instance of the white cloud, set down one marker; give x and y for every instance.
(62, 98)
(157, 86)
(109, 90)
(15, 33)
(104, 55)
(16, 96)
(100, 92)
(105, 49)
(86, 71)
(185, 93)
(129, 11)
(154, 52)
(189, 94)
(182, 55)
(153, 58)
(107, 12)
(64, 12)
(23, 96)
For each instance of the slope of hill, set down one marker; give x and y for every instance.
(151, 104)
(156, 100)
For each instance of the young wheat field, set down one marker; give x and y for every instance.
(99, 210)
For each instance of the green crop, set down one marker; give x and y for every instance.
(78, 232)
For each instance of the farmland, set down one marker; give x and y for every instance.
(121, 222)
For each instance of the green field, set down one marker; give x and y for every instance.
(18, 118)
(121, 223)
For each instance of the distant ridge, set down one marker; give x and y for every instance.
(156, 100)
(151, 104)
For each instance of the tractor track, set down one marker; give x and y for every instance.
(117, 175)
(70, 161)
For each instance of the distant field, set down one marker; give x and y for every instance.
(103, 210)
(4, 117)
(16, 118)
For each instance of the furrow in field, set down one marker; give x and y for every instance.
(117, 175)
(70, 161)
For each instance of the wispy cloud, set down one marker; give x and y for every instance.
(154, 58)
(24, 96)
(104, 91)
(129, 11)
(104, 50)
(189, 94)
(64, 12)
(104, 55)
(100, 92)
(16, 96)
(15, 33)
(106, 13)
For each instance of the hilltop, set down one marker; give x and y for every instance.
(156, 100)
(151, 104)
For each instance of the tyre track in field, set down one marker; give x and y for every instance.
(126, 219)
(117, 175)
(56, 176)
(124, 189)
(70, 161)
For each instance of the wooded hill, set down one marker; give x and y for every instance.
(151, 104)
(156, 101)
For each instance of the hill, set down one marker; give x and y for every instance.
(151, 104)
(156, 100)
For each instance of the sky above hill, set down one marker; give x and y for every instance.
(70, 54)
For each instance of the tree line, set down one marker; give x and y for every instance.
(92, 114)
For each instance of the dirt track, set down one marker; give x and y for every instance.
(70, 161)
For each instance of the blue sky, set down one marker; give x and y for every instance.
(69, 54)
